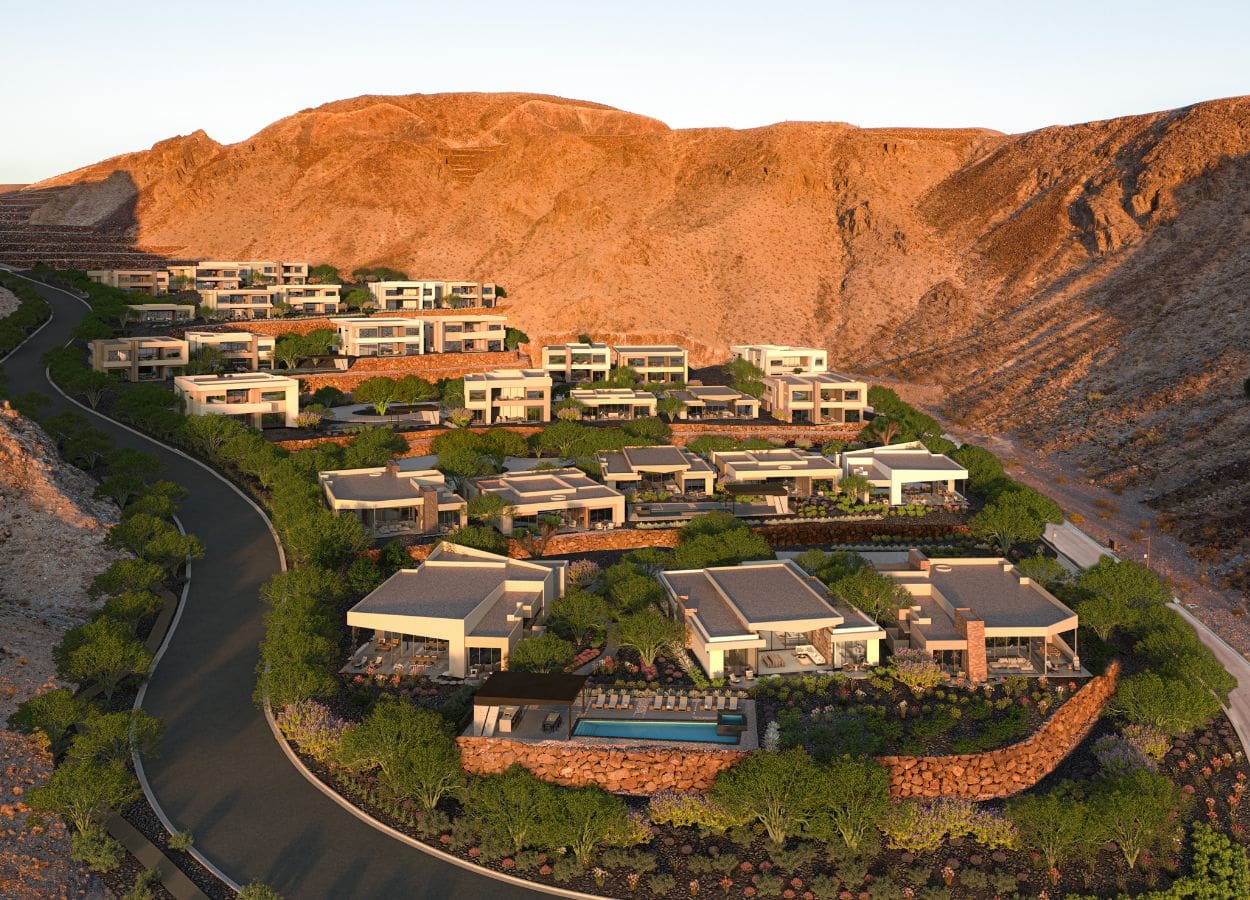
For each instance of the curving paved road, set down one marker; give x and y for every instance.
(220, 774)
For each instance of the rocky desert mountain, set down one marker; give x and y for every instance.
(1084, 286)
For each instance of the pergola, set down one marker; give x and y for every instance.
(532, 689)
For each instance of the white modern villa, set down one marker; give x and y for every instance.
(906, 472)
(458, 613)
(767, 618)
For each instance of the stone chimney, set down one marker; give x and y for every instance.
(429, 508)
(916, 559)
(976, 669)
(392, 468)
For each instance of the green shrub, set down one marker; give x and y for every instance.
(96, 849)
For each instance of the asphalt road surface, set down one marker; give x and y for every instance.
(220, 774)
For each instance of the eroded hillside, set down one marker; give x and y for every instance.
(1083, 285)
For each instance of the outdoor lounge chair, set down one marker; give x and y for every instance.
(552, 721)
(733, 703)
(598, 702)
(733, 678)
(668, 702)
(657, 702)
(707, 702)
(720, 701)
(683, 703)
(613, 699)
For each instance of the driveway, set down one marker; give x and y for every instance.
(220, 774)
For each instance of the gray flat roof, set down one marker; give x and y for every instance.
(998, 597)
(382, 486)
(730, 599)
(796, 462)
(914, 460)
(438, 592)
(660, 457)
(545, 485)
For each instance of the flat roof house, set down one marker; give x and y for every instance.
(242, 350)
(801, 472)
(395, 499)
(770, 617)
(674, 469)
(508, 395)
(983, 618)
(782, 359)
(715, 401)
(574, 362)
(466, 334)
(825, 398)
(144, 281)
(241, 303)
(416, 295)
(655, 364)
(615, 403)
(461, 610)
(139, 358)
(213, 274)
(310, 299)
(581, 502)
(381, 336)
(251, 396)
(909, 472)
(160, 313)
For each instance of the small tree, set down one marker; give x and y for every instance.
(1137, 811)
(206, 361)
(781, 791)
(486, 509)
(379, 392)
(874, 594)
(127, 575)
(582, 613)
(515, 337)
(52, 714)
(1103, 615)
(258, 891)
(535, 539)
(503, 807)
(479, 537)
(649, 632)
(857, 794)
(1126, 581)
(85, 793)
(108, 737)
(410, 748)
(1051, 824)
(582, 820)
(121, 489)
(670, 407)
(855, 486)
(1170, 704)
(108, 655)
(540, 653)
(1007, 523)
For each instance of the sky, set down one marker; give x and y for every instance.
(83, 81)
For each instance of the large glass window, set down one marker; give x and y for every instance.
(484, 656)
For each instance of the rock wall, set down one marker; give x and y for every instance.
(622, 770)
(801, 534)
(1001, 773)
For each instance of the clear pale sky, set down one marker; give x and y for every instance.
(82, 81)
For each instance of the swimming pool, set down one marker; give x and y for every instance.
(653, 730)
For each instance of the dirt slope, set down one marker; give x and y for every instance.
(1083, 284)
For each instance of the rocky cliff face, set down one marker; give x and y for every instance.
(1084, 284)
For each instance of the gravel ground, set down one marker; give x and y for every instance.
(8, 302)
(140, 815)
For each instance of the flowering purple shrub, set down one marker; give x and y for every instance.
(1117, 756)
(583, 571)
(686, 809)
(312, 727)
(1153, 743)
(916, 670)
(921, 827)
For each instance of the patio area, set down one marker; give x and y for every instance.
(394, 657)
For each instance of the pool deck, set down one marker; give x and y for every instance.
(529, 729)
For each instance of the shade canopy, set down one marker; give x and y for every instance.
(529, 689)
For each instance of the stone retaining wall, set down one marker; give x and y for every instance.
(622, 770)
(802, 534)
(1002, 773)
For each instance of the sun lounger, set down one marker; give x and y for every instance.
(552, 721)
(733, 679)
(720, 701)
(707, 702)
(613, 700)
(733, 703)
(668, 702)
(683, 703)
(598, 702)
(657, 702)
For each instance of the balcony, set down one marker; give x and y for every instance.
(235, 407)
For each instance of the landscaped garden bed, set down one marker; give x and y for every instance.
(831, 715)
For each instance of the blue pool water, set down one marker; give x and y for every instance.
(654, 730)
